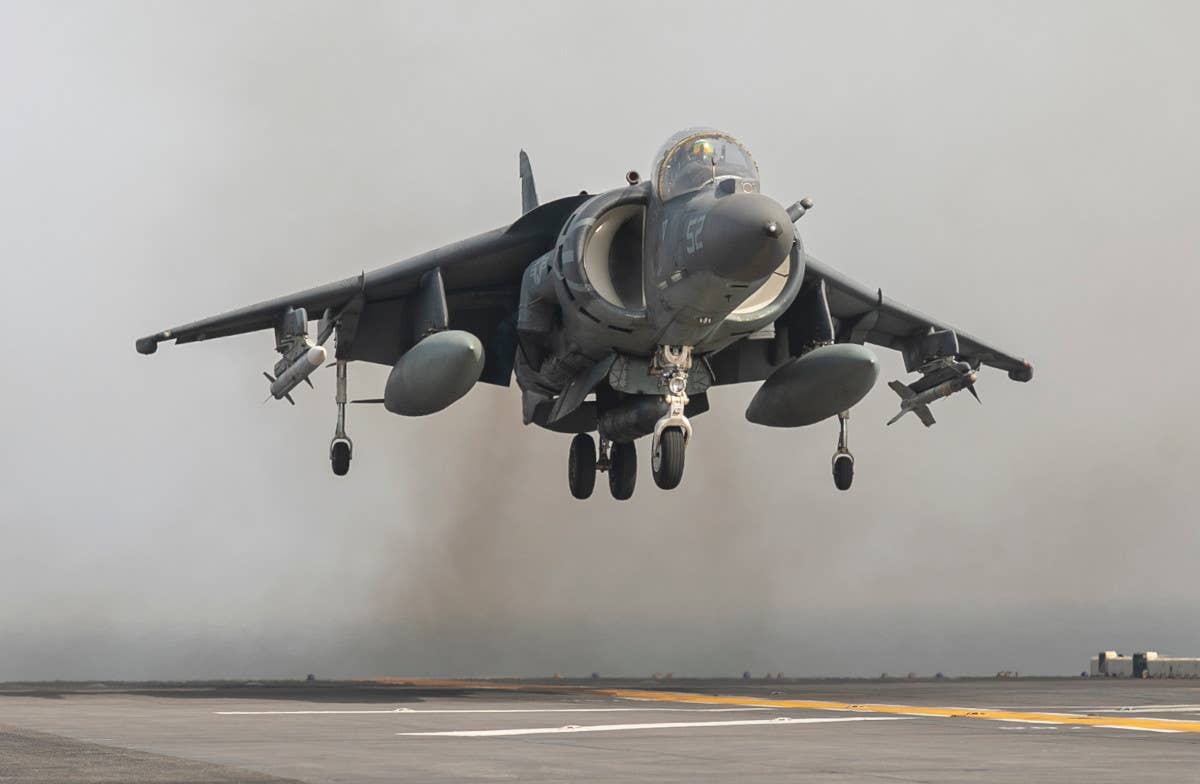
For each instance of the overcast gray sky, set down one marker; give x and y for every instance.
(1026, 171)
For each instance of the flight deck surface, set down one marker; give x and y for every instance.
(995, 730)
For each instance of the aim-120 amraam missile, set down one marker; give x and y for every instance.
(918, 402)
(296, 372)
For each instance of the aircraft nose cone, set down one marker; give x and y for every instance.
(748, 236)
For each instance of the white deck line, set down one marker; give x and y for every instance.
(407, 711)
(668, 725)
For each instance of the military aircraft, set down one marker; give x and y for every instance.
(617, 312)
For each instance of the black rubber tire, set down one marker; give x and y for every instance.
(339, 457)
(581, 466)
(843, 472)
(622, 473)
(667, 463)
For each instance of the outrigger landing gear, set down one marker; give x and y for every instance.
(341, 448)
(673, 432)
(843, 461)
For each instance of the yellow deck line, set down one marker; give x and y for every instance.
(1161, 725)
(1122, 722)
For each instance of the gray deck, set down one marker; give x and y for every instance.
(338, 732)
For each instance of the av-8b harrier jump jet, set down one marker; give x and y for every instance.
(617, 313)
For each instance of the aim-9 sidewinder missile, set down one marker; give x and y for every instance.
(296, 372)
(918, 402)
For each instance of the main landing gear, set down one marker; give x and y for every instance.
(667, 446)
(341, 448)
(622, 470)
(619, 461)
(843, 461)
(581, 466)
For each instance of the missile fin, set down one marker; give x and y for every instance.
(900, 389)
(926, 415)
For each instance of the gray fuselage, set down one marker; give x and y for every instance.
(630, 273)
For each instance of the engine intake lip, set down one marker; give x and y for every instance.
(585, 268)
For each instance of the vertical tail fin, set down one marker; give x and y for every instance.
(529, 198)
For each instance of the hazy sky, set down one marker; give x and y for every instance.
(1026, 171)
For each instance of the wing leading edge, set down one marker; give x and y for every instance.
(478, 273)
(863, 314)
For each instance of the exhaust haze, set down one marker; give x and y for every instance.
(1028, 172)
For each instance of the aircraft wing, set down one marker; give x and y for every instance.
(861, 314)
(481, 277)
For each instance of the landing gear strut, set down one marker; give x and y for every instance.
(673, 432)
(341, 448)
(843, 461)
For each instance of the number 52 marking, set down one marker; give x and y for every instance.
(694, 227)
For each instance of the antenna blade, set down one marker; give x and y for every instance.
(529, 197)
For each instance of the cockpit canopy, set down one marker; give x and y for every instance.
(690, 159)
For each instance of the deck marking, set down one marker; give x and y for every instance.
(1029, 716)
(990, 714)
(416, 711)
(666, 725)
(1117, 708)
(1148, 709)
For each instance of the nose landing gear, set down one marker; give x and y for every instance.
(673, 432)
(341, 448)
(667, 458)
(843, 461)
